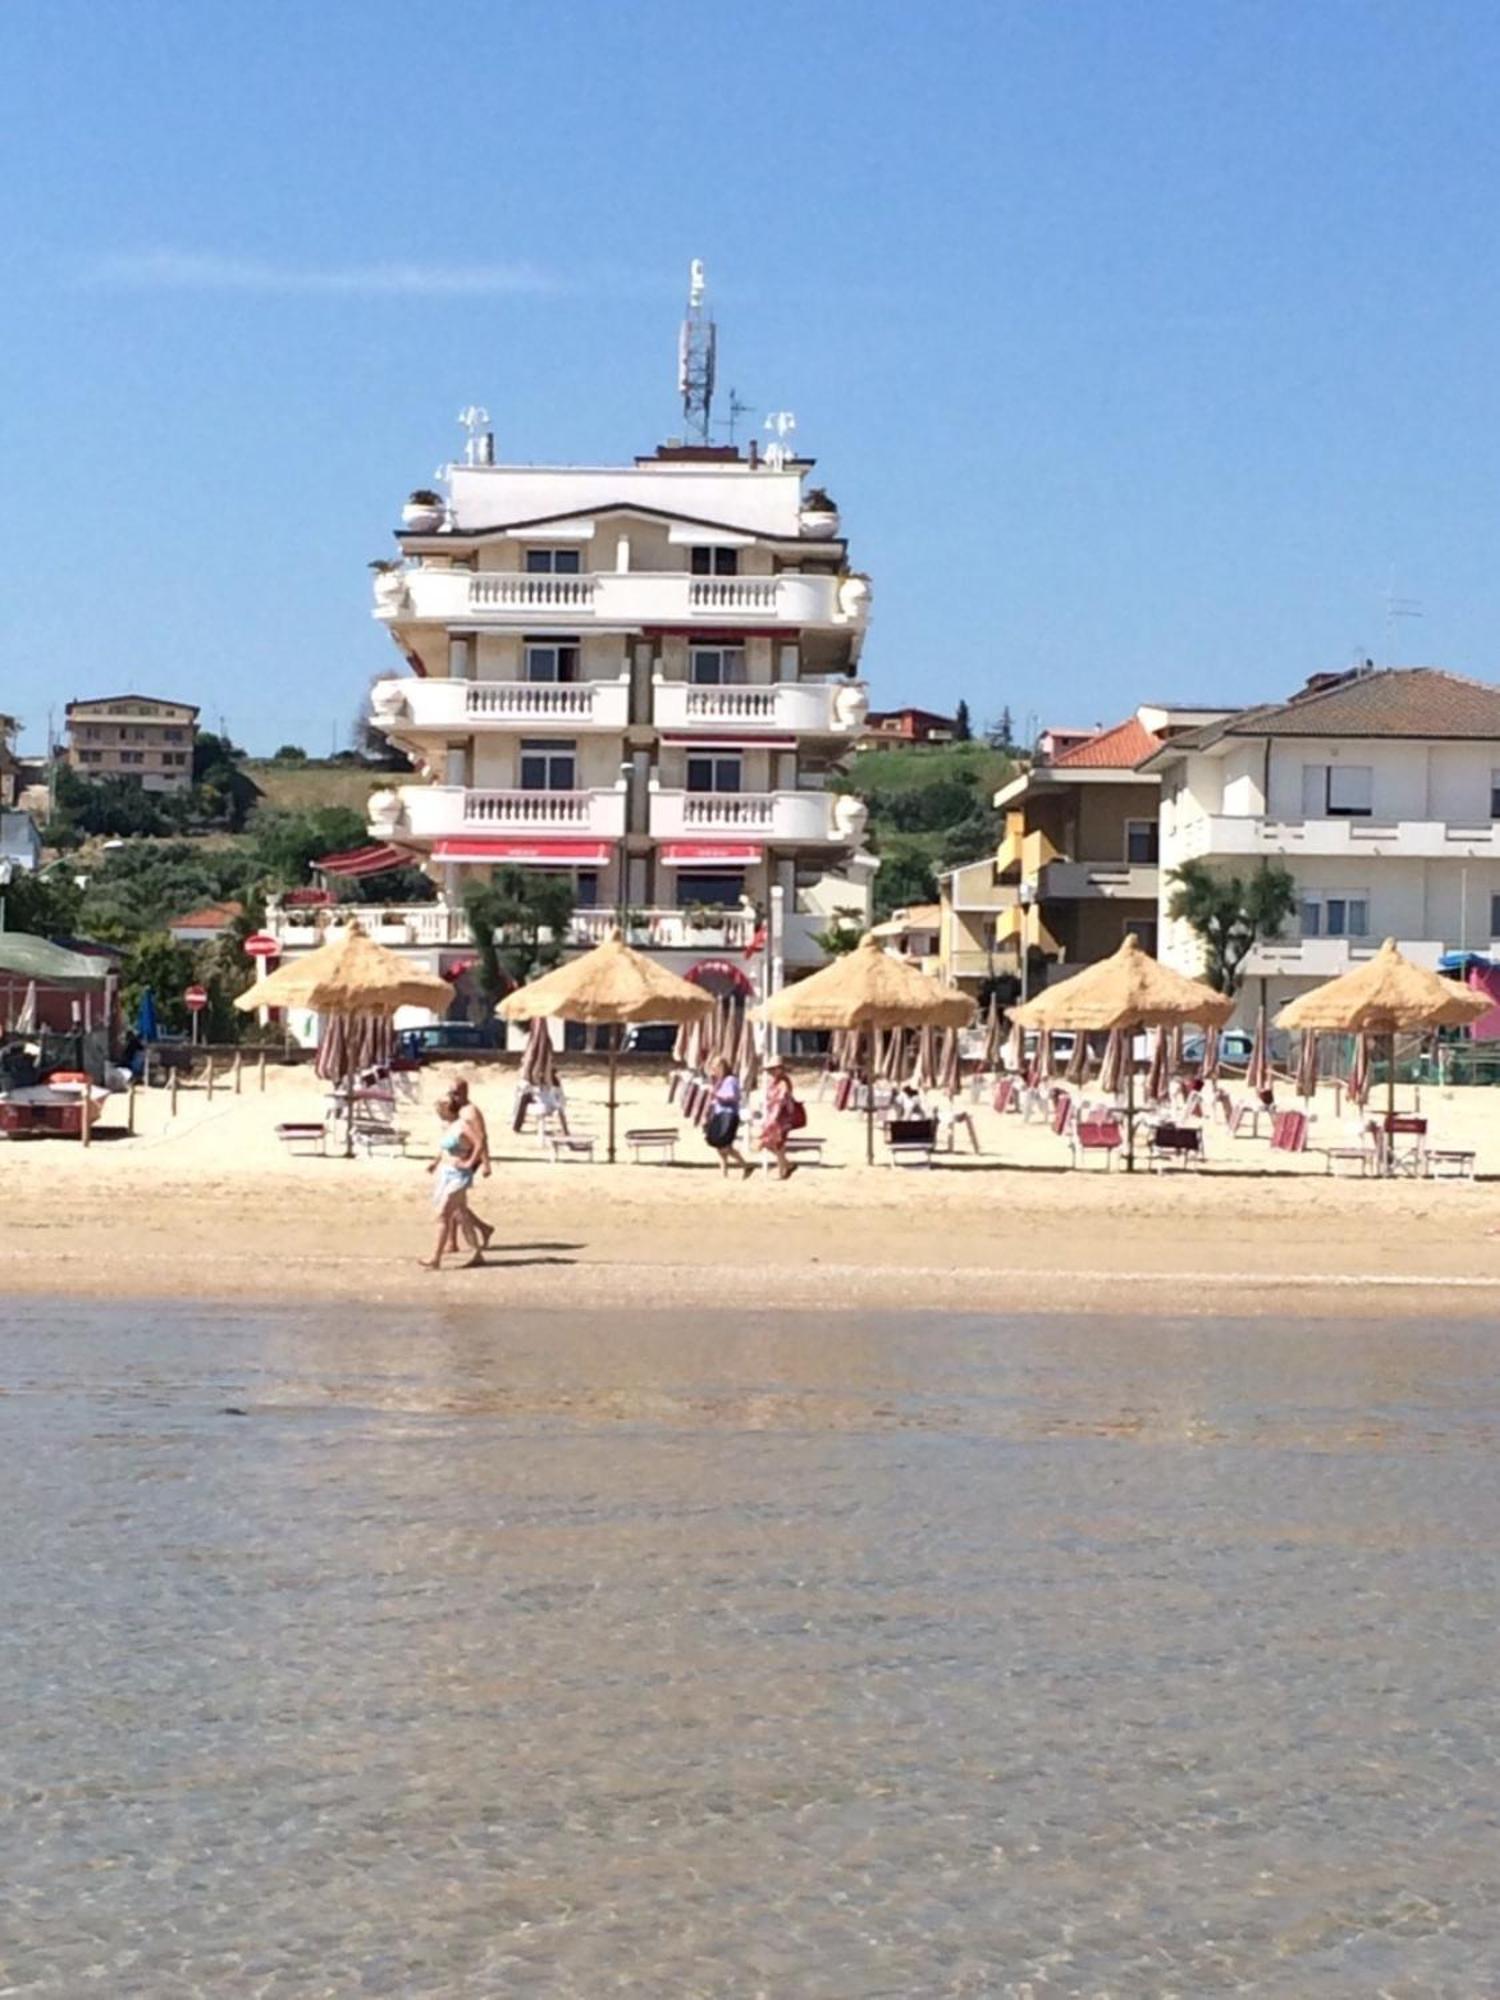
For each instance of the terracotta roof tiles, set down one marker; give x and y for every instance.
(1120, 748)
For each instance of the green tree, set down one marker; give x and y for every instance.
(286, 844)
(44, 906)
(167, 968)
(1230, 913)
(963, 731)
(906, 877)
(519, 923)
(289, 753)
(843, 933)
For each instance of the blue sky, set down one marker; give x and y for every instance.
(1146, 348)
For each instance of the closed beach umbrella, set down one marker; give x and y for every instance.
(1156, 1078)
(145, 1016)
(1212, 1052)
(1127, 991)
(538, 1067)
(1078, 1062)
(1258, 1071)
(994, 1038)
(867, 989)
(1110, 1068)
(25, 1022)
(1307, 1065)
(1358, 1087)
(950, 1065)
(359, 985)
(1388, 995)
(927, 1062)
(610, 986)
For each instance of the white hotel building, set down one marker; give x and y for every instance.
(1378, 791)
(640, 677)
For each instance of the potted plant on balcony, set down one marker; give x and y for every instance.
(819, 516)
(423, 512)
(390, 585)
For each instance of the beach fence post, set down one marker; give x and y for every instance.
(85, 1111)
(130, 1109)
(263, 1071)
(172, 1093)
(210, 1079)
(238, 1065)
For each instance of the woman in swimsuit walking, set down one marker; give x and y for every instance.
(457, 1156)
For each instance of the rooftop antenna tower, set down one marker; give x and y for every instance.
(737, 409)
(1396, 608)
(697, 351)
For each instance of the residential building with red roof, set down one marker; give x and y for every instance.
(1080, 847)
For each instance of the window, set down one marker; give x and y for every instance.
(1341, 915)
(89, 756)
(549, 767)
(552, 659)
(718, 892)
(717, 666)
(1337, 791)
(1495, 794)
(553, 562)
(171, 735)
(1142, 843)
(132, 756)
(711, 772)
(715, 562)
(1495, 916)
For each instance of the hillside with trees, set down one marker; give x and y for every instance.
(930, 810)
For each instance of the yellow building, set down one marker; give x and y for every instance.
(975, 900)
(133, 736)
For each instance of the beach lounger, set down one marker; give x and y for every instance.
(1095, 1135)
(1289, 1132)
(652, 1142)
(1449, 1163)
(562, 1146)
(303, 1137)
(1358, 1151)
(1007, 1095)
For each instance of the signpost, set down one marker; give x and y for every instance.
(195, 1000)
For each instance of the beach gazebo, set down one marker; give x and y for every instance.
(612, 987)
(1388, 995)
(1122, 994)
(866, 990)
(355, 987)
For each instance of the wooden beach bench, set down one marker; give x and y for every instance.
(304, 1137)
(653, 1141)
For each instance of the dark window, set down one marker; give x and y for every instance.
(716, 891)
(715, 562)
(717, 666)
(551, 659)
(1495, 916)
(1142, 839)
(549, 767)
(553, 562)
(1145, 932)
(1495, 794)
(707, 773)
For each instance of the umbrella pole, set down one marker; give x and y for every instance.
(1130, 1100)
(349, 1113)
(870, 1099)
(614, 1057)
(1390, 1099)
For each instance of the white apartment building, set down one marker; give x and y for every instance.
(1378, 790)
(641, 677)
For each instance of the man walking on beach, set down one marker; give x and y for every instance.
(471, 1119)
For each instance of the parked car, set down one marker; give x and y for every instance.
(441, 1039)
(653, 1038)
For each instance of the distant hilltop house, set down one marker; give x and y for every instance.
(133, 736)
(10, 764)
(900, 726)
(911, 932)
(214, 920)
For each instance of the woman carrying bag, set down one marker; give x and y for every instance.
(723, 1124)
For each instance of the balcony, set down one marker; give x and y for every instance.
(623, 600)
(440, 923)
(1355, 839)
(411, 705)
(436, 812)
(787, 818)
(782, 708)
(1008, 858)
(1023, 925)
(1326, 958)
(1084, 881)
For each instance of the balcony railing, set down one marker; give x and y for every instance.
(621, 598)
(440, 923)
(429, 812)
(1084, 881)
(412, 704)
(779, 816)
(1416, 839)
(1326, 958)
(801, 708)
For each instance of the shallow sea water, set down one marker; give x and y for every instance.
(761, 1655)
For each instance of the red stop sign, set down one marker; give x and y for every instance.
(262, 945)
(196, 999)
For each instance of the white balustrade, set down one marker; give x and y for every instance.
(798, 708)
(791, 816)
(626, 599)
(1417, 839)
(489, 591)
(755, 594)
(435, 812)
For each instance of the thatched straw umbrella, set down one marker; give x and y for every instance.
(1128, 991)
(867, 989)
(1388, 995)
(609, 986)
(355, 986)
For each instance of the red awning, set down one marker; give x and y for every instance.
(542, 853)
(361, 861)
(707, 853)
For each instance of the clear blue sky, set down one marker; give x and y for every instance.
(1145, 347)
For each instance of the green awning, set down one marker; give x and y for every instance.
(25, 957)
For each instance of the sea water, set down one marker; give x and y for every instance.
(352, 1652)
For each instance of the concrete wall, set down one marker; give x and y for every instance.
(759, 501)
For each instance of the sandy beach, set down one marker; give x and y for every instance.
(209, 1204)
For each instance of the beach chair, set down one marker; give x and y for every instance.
(806, 1147)
(375, 1132)
(1449, 1163)
(1060, 1114)
(1007, 1095)
(1097, 1134)
(1409, 1159)
(653, 1142)
(910, 1141)
(1289, 1132)
(560, 1145)
(303, 1136)
(1175, 1146)
(1359, 1151)
(949, 1121)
